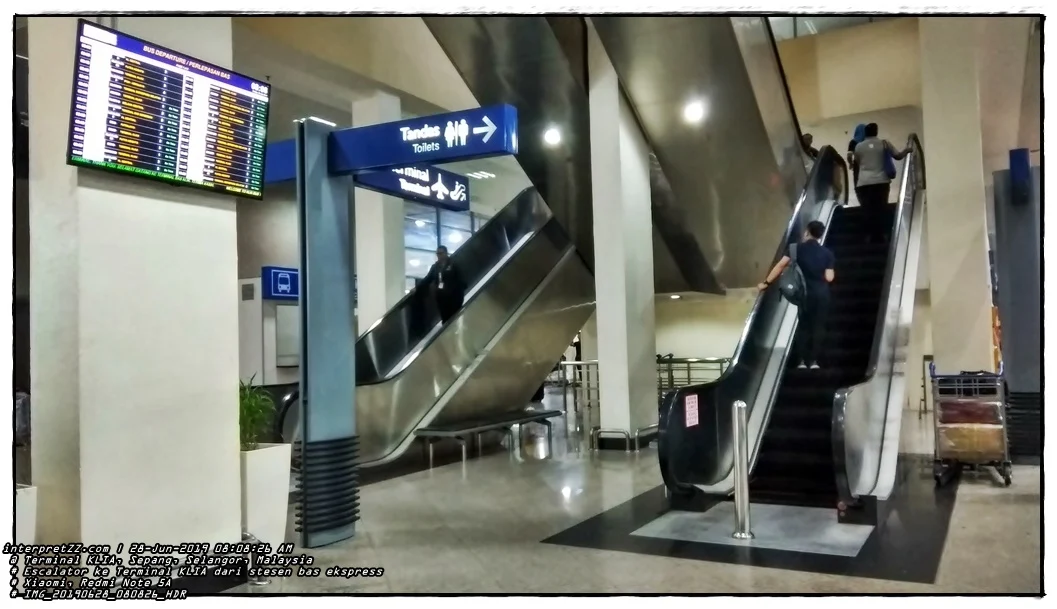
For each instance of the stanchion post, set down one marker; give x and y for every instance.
(251, 560)
(742, 517)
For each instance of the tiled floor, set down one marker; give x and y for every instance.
(479, 527)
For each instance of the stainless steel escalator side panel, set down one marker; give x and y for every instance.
(721, 172)
(862, 413)
(678, 264)
(389, 411)
(519, 61)
(510, 370)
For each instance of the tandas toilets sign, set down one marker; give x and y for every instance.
(463, 135)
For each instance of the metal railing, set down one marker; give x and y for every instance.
(673, 373)
(580, 383)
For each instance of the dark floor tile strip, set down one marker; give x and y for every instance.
(907, 548)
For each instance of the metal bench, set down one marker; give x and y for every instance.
(473, 428)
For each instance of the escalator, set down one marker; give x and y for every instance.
(822, 438)
(796, 464)
(527, 296)
(528, 270)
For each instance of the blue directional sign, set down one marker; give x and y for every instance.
(421, 183)
(455, 136)
(280, 283)
(280, 162)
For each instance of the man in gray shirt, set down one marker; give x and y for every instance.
(874, 183)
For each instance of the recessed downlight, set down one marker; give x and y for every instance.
(675, 297)
(694, 112)
(552, 136)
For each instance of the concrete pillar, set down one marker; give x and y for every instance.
(134, 325)
(623, 253)
(956, 213)
(379, 228)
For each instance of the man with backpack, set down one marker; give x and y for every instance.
(805, 283)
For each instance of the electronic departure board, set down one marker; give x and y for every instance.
(144, 110)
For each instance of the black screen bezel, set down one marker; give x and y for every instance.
(158, 180)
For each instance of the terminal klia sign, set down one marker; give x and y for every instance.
(399, 151)
(421, 183)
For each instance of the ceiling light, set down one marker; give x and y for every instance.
(675, 297)
(455, 238)
(322, 120)
(694, 112)
(420, 223)
(414, 262)
(552, 136)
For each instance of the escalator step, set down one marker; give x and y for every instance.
(795, 464)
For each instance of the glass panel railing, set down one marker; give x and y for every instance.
(414, 319)
(760, 55)
(702, 454)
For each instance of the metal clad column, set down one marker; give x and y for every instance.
(328, 484)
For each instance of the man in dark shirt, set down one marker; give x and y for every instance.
(816, 264)
(807, 139)
(449, 290)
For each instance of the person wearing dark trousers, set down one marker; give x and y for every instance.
(816, 263)
(449, 288)
(874, 180)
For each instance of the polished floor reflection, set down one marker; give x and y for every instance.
(478, 529)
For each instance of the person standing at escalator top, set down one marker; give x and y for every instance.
(874, 158)
(449, 289)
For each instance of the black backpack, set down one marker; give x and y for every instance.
(791, 282)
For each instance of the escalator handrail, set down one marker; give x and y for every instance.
(396, 313)
(788, 237)
(828, 158)
(284, 410)
(844, 491)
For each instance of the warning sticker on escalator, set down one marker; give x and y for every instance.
(690, 406)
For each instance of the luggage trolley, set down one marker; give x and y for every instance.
(970, 424)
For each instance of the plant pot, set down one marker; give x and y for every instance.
(266, 492)
(25, 514)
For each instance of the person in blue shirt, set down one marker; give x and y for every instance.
(816, 264)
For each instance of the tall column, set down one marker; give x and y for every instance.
(379, 229)
(957, 216)
(623, 226)
(134, 325)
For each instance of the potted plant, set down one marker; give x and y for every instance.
(265, 468)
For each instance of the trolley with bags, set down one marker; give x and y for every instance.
(970, 424)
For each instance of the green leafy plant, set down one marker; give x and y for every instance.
(256, 409)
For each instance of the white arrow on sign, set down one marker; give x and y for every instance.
(487, 130)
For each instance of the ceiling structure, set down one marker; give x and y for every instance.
(307, 85)
(810, 25)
